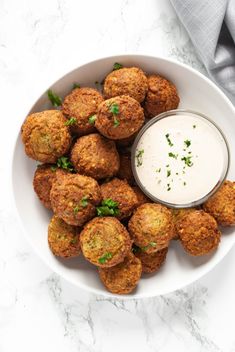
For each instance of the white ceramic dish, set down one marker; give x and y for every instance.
(196, 93)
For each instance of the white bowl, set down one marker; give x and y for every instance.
(196, 93)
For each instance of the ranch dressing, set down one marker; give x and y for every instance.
(181, 158)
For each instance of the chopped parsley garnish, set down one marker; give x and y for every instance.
(184, 183)
(117, 66)
(177, 173)
(168, 187)
(84, 202)
(172, 155)
(114, 109)
(187, 143)
(53, 168)
(116, 123)
(158, 170)
(76, 209)
(92, 119)
(105, 257)
(187, 160)
(108, 207)
(139, 157)
(168, 140)
(151, 244)
(71, 121)
(76, 85)
(54, 98)
(194, 126)
(64, 163)
(168, 173)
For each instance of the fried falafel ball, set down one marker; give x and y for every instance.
(178, 214)
(119, 191)
(222, 204)
(81, 104)
(124, 277)
(125, 170)
(126, 81)
(151, 262)
(63, 239)
(119, 117)
(74, 198)
(95, 156)
(141, 197)
(161, 96)
(199, 233)
(45, 136)
(42, 183)
(151, 227)
(105, 241)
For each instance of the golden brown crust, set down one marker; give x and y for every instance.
(178, 214)
(125, 170)
(130, 117)
(105, 242)
(151, 262)
(151, 227)
(81, 104)
(74, 198)
(45, 136)
(199, 233)
(141, 197)
(222, 204)
(120, 192)
(95, 156)
(129, 81)
(42, 183)
(124, 277)
(161, 96)
(63, 239)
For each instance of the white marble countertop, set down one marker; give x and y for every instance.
(40, 41)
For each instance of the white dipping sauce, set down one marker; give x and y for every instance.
(179, 159)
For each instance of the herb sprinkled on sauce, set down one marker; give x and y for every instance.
(172, 155)
(139, 157)
(187, 160)
(187, 143)
(168, 140)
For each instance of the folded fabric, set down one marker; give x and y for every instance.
(211, 27)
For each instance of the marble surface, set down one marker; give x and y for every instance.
(40, 41)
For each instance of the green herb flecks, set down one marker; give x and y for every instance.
(117, 66)
(53, 168)
(54, 98)
(76, 85)
(108, 207)
(105, 257)
(71, 121)
(184, 183)
(187, 142)
(194, 126)
(187, 160)
(84, 202)
(168, 140)
(64, 163)
(172, 155)
(158, 170)
(114, 109)
(168, 173)
(168, 187)
(116, 123)
(139, 157)
(76, 209)
(92, 119)
(151, 244)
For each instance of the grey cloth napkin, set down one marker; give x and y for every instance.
(211, 27)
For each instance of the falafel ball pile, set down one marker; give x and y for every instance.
(87, 180)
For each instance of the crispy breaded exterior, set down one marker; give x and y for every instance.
(141, 197)
(126, 142)
(45, 136)
(199, 233)
(222, 204)
(125, 170)
(63, 239)
(123, 124)
(126, 81)
(151, 262)
(120, 192)
(161, 96)
(105, 241)
(81, 104)
(74, 198)
(151, 227)
(95, 156)
(42, 183)
(124, 277)
(178, 214)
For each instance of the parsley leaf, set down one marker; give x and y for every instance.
(187, 160)
(71, 121)
(76, 85)
(54, 98)
(92, 119)
(187, 143)
(105, 257)
(64, 163)
(76, 209)
(84, 202)
(139, 157)
(172, 155)
(117, 66)
(168, 140)
(114, 109)
(116, 123)
(108, 207)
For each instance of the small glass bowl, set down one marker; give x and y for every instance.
(155, 120)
